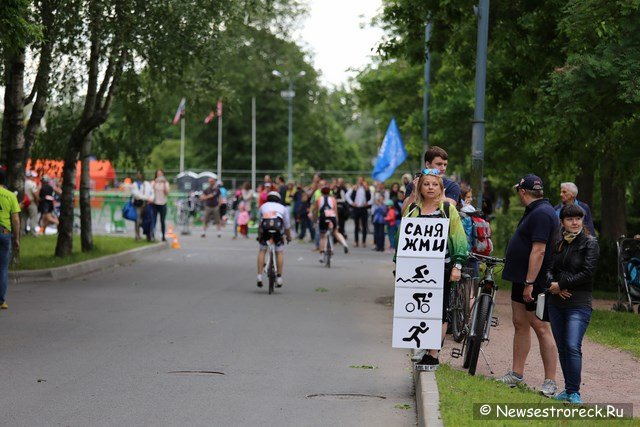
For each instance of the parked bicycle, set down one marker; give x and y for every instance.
(481, 319)
(460, 297)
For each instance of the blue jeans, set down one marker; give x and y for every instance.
(378, 236)
(568, 325)
(391, 232)
(5, 257)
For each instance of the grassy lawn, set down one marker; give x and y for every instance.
(36, 253)
(459, 391)
(616, 329)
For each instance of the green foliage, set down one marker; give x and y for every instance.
(18, 27)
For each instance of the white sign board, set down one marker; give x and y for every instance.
(423, 237)
(417, 312)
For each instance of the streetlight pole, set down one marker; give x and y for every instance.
(478, 131)
(289, 95)
(290, 136)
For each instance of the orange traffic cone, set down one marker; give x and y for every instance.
(175, 244)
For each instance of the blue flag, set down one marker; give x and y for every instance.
(391, 154)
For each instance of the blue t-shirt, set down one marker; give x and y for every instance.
(538, 224)
(451, 189)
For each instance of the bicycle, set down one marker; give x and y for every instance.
(460, 298)
(271, 264)
(328, 248)
(481, 319)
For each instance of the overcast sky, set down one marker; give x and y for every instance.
(333, 33)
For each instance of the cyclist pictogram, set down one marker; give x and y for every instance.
(422, 303)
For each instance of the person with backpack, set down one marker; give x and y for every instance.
(325, 210)
(430, 202)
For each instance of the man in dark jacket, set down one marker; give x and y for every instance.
(528, 258)
(568, 196)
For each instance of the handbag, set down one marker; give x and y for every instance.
(542, 309)
(129, 211)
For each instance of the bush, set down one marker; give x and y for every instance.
(503, 226)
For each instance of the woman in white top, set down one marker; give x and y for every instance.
(141, 194)
(160, 187)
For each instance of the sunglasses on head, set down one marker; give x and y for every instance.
(435, 172)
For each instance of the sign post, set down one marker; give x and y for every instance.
(419, 284)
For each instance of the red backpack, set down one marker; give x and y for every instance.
(482, 243)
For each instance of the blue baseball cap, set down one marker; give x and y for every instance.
(529, 182)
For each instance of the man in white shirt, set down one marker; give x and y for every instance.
(274, 221)
(360, 199)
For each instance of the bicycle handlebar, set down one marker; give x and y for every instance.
(487, 259)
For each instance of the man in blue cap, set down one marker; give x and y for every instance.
(528, 257)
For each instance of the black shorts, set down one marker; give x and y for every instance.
(516, 295)
(323, 224)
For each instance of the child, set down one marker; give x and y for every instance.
(243, 220)
(379, 212)
(390, 220)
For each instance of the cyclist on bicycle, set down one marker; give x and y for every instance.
(325, 213)
(274, 223)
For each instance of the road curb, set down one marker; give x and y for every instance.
(427, 399)
(84, 267)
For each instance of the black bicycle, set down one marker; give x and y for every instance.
(460, 298)
(481, 318)
(270, 264)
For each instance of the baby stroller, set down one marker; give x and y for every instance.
(628, 274)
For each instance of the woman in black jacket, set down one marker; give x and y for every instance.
(571, 280)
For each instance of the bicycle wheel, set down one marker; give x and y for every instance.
(482, 322)
(272, 272)
(458, 302)
(327, 252)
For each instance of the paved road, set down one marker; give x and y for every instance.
(99, 350)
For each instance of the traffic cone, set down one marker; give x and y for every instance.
(170, 233)
(175, 244)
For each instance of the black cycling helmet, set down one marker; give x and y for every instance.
(273, 196)
(325, 189)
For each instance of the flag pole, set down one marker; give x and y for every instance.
(219, 144)
(253, 142)
(182, 144)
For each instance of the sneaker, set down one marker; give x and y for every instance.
(574, 398)
(4, 306)
(219, 235)
(549, 388)
(561, 396)
(418, 355)
(259, 283)
(278, 282)
(428, 363)
(203, 235)
(346, 249)
(511, 379)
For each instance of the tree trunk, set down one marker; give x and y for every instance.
(86, 235)
(64, 245)
(585, 181)
(612, 187)
(13, 140)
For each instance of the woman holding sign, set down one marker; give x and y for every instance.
(430, 203)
